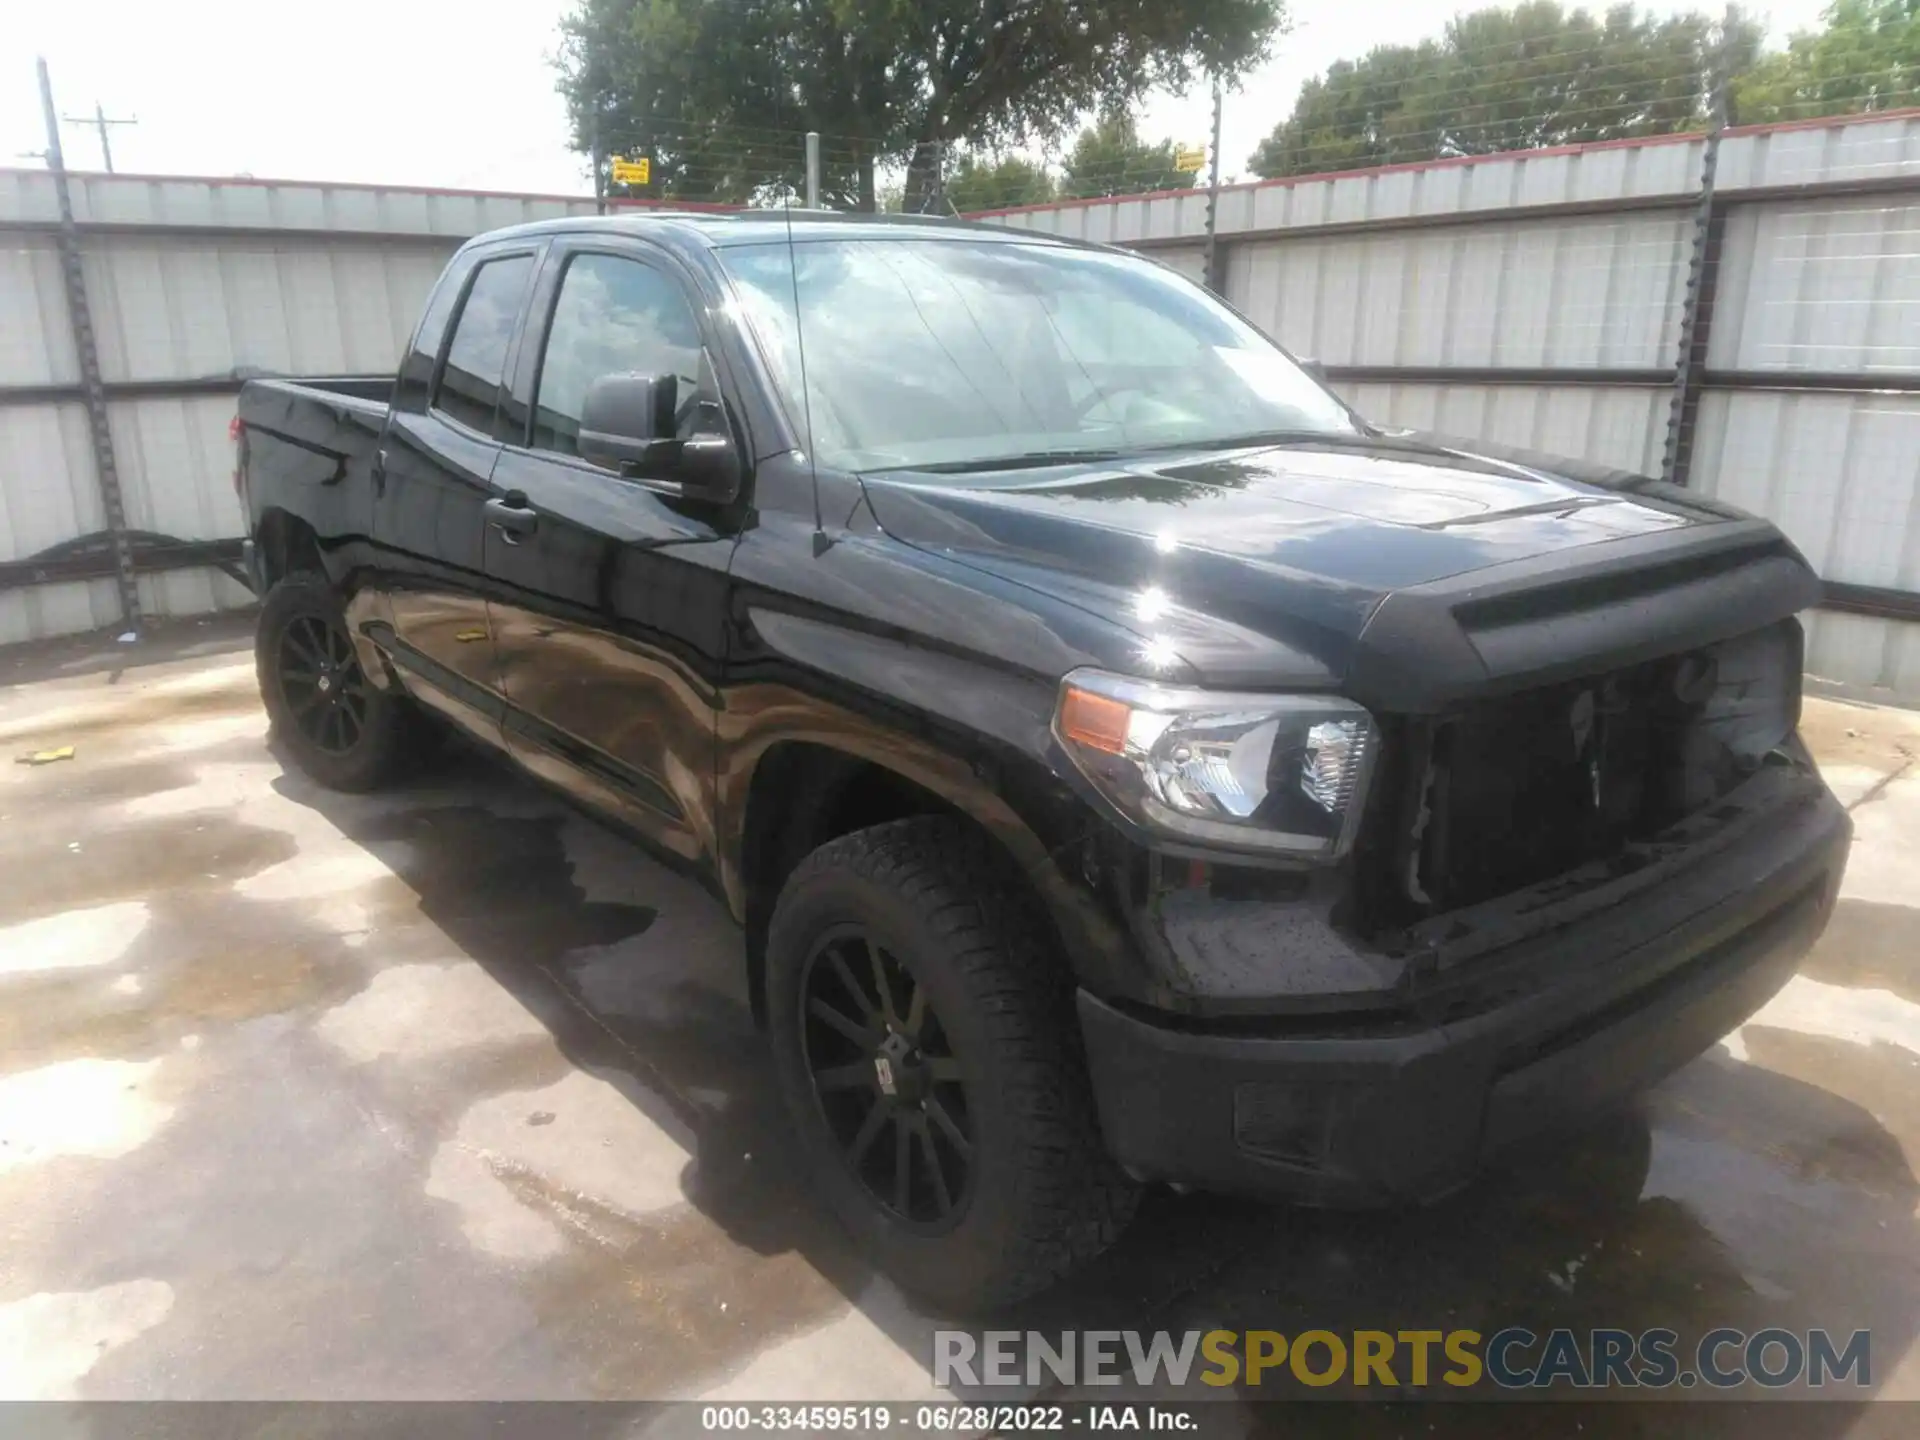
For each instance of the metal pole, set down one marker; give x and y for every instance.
(599, 177)
(1703, 266)
(813, 169)
(1216, 282)
(94, 391)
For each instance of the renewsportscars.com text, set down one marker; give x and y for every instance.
(1514, 1358)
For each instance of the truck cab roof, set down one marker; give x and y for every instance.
(720, 228)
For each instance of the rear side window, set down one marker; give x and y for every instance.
(617, 316)
(469, 382)
(416, 371)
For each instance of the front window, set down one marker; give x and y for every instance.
(615, 316)
(953, 354)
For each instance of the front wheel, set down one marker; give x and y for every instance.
(930, 1057)
(328, 718)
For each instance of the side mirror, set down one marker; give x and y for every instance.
(630, 423)
(624, 416)
(1316, 368)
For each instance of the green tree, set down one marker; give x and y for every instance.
(1110, 158)
(718, 92)
(976, 183)
(1510, 79)
(1866, 58)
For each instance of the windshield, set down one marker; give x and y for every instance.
(953, 354)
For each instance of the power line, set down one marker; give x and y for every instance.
(99, 121)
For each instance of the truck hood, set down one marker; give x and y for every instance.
(1267, 565)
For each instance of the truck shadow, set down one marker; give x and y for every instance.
(1734, 1196)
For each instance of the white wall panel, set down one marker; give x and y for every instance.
(1860, 147)
(1189, 260)
(1840, 474)
(338, 293)
(1586, 293)
(36, 343)
(176, 465)
(48, 496)
(1617, 426)
(1490, 183)
(47, 490)
(277, 204)
(1821, 285)
(180, 309)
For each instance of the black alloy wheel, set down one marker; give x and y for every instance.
(321, 681)
(330, 720)
(926, 1042)
(886, 1080)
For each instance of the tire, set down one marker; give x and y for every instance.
(368, 734)
(941, 915)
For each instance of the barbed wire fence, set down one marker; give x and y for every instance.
(1526, 94)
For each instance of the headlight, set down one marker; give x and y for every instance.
(1281, 773)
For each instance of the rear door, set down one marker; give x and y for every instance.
(434, 483)
(608, 592)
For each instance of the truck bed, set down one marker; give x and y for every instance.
(309, 448)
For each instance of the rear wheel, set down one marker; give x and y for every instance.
(328, 718)
(930, 1058)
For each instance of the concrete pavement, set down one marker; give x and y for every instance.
(452, 1093)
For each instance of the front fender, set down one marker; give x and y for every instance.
(970, 735)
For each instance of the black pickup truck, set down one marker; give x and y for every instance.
(1126, 764)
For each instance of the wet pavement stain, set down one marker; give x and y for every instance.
(650, 1303)
(133, 714)
(665, 1304)
(86, 781)
(45, 871)
(500, 887)
(640, 1296)
(1876, 1155)
(1583, 1233)
(203, 960)
(1870, 946)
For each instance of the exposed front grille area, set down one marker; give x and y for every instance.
(1510, 792)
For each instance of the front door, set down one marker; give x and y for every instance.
(435, 477)
(608, 594)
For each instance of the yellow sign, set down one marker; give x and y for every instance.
(1189, 160)
(632, 172)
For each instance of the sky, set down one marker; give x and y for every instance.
(434, 92)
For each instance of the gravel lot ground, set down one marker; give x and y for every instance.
(453, 1093)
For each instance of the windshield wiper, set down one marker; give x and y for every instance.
(1029, 460)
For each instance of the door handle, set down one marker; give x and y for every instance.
(512, 516)
(380, 471)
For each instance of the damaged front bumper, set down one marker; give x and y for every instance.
(1520, 1016)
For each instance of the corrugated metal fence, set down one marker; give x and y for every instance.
(1538, 298)
(193, 285)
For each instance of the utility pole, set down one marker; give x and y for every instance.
(813, 169)
(99, 121)
(93, 389)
